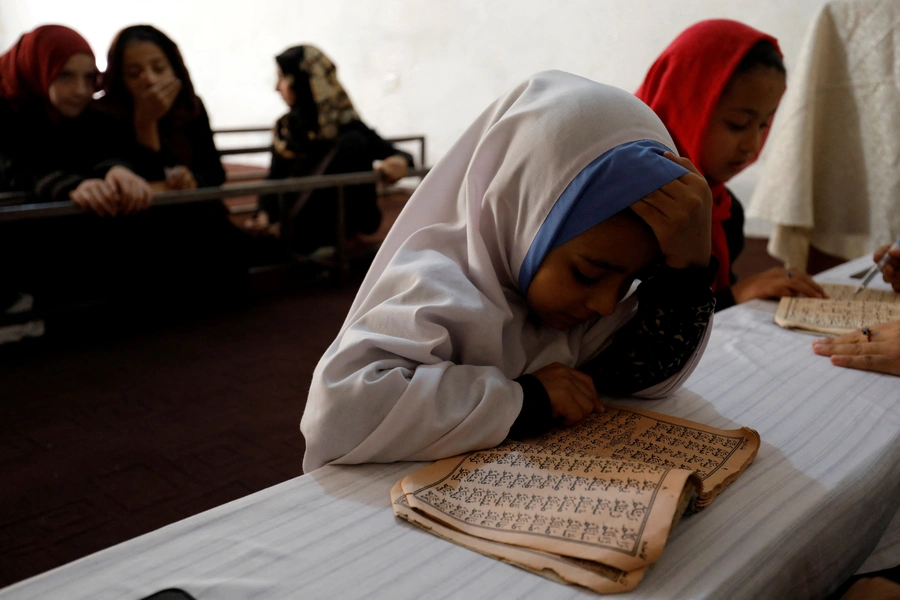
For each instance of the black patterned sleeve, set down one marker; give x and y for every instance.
(674, 310)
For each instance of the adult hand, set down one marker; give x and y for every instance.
(572, 394)
(134, 193)
(879, 350)
(154, 102)
(891, 271)
(393, 168)
(180, 178)
(95, 195)
(775, 283)
(680, 215)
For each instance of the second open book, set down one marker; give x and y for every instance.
(591, 505)
(842, 312)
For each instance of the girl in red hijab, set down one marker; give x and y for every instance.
(716, 88)
(49, 145)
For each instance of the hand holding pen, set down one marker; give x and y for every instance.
(887, 262)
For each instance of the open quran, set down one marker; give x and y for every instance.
(591, 505)
(841, 312)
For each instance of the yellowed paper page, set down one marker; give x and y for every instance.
(611, 511)
(834, 317)
(594, 576)
(717, 456)
(839, 291)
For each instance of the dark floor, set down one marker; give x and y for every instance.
(114, 427)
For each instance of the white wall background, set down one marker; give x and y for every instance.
(410, 66)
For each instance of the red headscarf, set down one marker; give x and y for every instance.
(683, 87)
(29, 67)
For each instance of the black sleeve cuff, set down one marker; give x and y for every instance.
(536, 416)
(57, 186)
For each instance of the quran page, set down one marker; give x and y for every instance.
(562, 569)
(615, 512)
(837, 291)
(842, 312)
(717, 456)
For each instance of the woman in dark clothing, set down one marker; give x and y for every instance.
(53, 146)
(323, 134)
(162, 128)
(50, 146)
(54, 150)
(163, 124)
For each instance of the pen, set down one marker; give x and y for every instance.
(876, 268)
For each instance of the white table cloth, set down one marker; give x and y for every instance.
(802, 518)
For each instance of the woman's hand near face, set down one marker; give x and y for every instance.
(891, 271)
(153, 103)
(180, 178)
(572, 394)
(393, 168)
(776, 283)
(680, 215)
(133, 192)
(97, 196)
(879, 350)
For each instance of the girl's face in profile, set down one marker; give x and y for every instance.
(740, 122)
(283, 87)
(144, 65)
(73, 87)
(591, 273)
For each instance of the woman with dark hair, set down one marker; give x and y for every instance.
(716, 88)
(148, 92)
(323, 134)
(160, 125)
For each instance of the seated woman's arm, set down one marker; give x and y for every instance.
(18, 174)
(21, 168)
(395, 162)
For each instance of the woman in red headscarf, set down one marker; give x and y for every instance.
(716, 88)
(50, 146)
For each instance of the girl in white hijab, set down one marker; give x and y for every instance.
(499, 303)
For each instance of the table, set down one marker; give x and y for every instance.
(800, 520)
(829, 175)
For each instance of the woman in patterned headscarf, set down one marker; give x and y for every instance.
(323, 134)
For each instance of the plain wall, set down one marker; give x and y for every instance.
(410, 66)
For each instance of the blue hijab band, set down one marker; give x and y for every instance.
(609, 184)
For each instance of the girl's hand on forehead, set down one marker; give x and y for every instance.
(680, 215)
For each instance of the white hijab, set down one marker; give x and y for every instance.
(423, 366)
